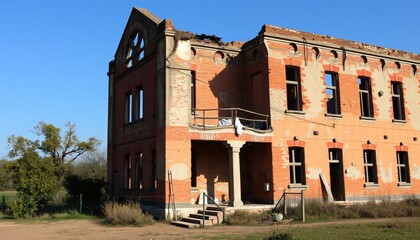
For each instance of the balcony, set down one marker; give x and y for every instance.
(210, 119)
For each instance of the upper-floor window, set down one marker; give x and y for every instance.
(135, 49)
(365, 91)
(397, 100)
(129, 107)
(403, 167)
(333, 94)
(140, 103)
(297, 165)
(293, 88)
(193, 92)
(369, 162)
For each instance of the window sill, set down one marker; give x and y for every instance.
(297, 186)
(194, 189)
(333, 115)
(404, 184)
(294, 112)
(371, 185)
(367, 118)
(399, 121)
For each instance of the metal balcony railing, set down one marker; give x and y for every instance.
(225, 117)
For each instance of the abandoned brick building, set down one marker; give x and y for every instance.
(245, 121)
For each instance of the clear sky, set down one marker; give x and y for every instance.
(54, 55)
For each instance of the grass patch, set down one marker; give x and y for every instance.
(249, 218)
(126, 214)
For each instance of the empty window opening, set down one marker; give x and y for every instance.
(365, 91)
(193, 92)
(135, 49)
(294, 98)
(154, 168)
(397, 101)
(139, 171)
(336, 173)
(371, 175)
(383, 64)
(333, 95)
(140, 103)
(127, 171)
(364, 59)
(129, 108)
(297, 165)
(403, 167)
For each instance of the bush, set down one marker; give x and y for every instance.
(126, 214)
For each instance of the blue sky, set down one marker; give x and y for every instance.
(54, 55)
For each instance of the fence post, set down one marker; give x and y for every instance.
(80, 203)
(204, 205)
(303, 206)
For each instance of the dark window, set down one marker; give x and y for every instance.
(403, 167)
(366, 104)
(127, 171)
(140, 103)
(154, 168)
(398, 100)
(371, 175)
(129, 108)
(333, 94)
(193, 92)
(297, 165)
(139, 170)
(294, 98)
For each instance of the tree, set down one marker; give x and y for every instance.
(7, 179)
(92, 165)
(62, 151)
(36, 183)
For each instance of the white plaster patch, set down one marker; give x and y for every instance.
(381, 84)
(183, 50)
(386, 174)
(310, 130)
(314, 173)
(353, 173)
(416, 172)
(180, 171)
(412, 97)
(286, 133)
(314, 87)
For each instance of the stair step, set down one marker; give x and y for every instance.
(214, 208)
(211, 213)
(213, 219)
(197, 221)
(185, 224)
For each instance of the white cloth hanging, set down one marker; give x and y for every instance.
(238, 126)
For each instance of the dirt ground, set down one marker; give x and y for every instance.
(94, 230)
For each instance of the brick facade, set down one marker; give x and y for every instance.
(249, 82)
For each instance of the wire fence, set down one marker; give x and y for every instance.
(80, 204)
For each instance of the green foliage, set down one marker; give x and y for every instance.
(36, 183)
(126, 214)
(6, 175)
(61, 150)
(91, 189)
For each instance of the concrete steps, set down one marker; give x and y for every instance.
(212, 216)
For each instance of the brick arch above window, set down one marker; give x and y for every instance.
(395, 77)
(295, 143)
(338, 145)
(364, 73)
(369, 146)
(331, 68)
(292, 62)
(401, 148)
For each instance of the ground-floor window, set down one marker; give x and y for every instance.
(297, 165)
(371, 174)
(403, 167)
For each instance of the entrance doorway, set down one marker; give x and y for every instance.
(336, 173)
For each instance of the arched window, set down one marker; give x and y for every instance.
(135, 49)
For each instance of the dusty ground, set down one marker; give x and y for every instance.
(93, 230)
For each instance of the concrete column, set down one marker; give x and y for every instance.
(234, 148)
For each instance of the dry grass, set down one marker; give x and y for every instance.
(126, 214)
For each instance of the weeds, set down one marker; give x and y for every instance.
(126, 214)
(248, 218)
